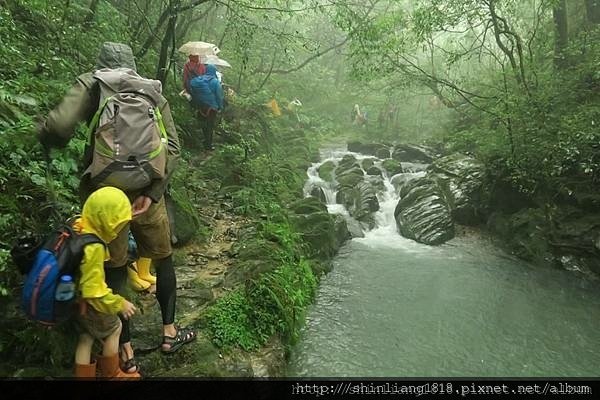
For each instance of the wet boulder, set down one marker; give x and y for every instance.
(376, 181)
(326, 171)
(360, 201)
(354, 227)
(462, 177)
(318, 193)
(414, 167)
(371, 149)
(348, 172)
(183, 219)
(413, 153)
(401, 180)
(367, 163)
(373, 171)
(347, 162)
(422, 214)
(392, 167)
(324, 233)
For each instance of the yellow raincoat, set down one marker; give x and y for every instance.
(274, 107)
(104, 214)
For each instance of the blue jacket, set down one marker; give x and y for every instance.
(206, 89)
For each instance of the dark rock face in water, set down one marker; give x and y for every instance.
(429, 206)
(326, 171)
(378, 150)
(401, 180)
(357, 195)
(462, 177)
(413, 153)
(318, 193)
(392, 167)
(367, 163)
(422, 214)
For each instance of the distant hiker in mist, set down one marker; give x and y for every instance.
(359, 118)
(387, 117)
(207, 98)
(192, 68)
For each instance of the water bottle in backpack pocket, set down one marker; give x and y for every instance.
(49, 288)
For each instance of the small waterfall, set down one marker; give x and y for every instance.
(315, 181)
(385, 223)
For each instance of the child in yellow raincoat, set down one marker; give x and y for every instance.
(104, 214)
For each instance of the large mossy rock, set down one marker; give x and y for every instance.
(422, 214)
(367, 163)
(361, 201)
(463, 178)
(373, 171)
(318, 193)
(350, 177)
(348, 162)
(524, 233)
(183, 219)
(414, 167)
(326, 171)
(401, 180)
(348, 171)
(413, 153)
(566, 236)
(323, 232)
(370, 149)
(392, 167)
(254, 256)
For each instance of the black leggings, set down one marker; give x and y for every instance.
(166, 291)
(116, 278)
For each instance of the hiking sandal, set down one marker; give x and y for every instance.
(183, 336)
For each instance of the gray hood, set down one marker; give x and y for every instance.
(115, 55)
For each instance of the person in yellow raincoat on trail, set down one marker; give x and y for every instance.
(274, 107)
(105, 213)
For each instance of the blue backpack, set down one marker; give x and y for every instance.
(201, 93)
(45, 263)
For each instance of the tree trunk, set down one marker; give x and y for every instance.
(162, 70)
(561, 38)
(592, 8)
(91, 13)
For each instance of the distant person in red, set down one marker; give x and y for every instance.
(192, 69)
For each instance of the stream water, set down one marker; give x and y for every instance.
(393, 307)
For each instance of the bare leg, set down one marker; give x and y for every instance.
(83, 353)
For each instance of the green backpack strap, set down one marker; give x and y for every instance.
(163, 132)
(94, 122)
(161, 125)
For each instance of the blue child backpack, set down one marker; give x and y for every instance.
(45, 264)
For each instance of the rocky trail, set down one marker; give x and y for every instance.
(201, 267)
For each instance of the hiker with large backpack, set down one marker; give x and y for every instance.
(207, 98)
(132, 145)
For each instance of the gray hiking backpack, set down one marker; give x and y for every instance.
(129, 137)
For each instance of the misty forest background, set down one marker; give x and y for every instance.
(514, 83)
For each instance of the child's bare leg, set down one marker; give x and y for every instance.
(83, 353)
